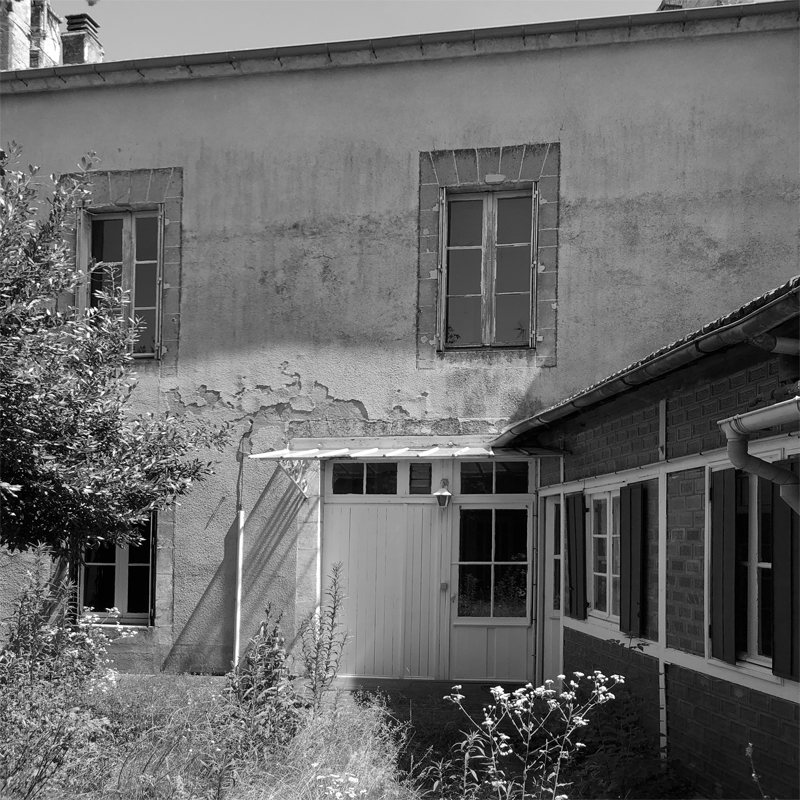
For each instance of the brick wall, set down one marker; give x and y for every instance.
(623, 443)
(685, 554)
(550, 471)
(692, 415)
(709, 724)
(650, 557)
(584, 653)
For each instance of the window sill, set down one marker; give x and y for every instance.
(491, 622)
(761, 671)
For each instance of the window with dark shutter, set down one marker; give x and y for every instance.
(723, 565)
(576, 556)
(632, 523)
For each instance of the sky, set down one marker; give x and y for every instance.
(147, 28)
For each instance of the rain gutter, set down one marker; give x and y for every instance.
(662, 362)
(737, 431)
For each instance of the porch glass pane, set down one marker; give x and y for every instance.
(474, 590)
(348, 478)
(511, 534)
(476, 477)
(511, 477)
(510, 590)
(475, 535)
(381, 478)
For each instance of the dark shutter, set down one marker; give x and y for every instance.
(785, 586)
(153, 551)
(576, 556)
(723, 565)
(631, 528)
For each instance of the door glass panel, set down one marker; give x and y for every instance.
(615, 596)
(146, 335)
(556, 584)
(140, 553)
(514, 220)
(138, 589)
(106, 280)
(466, 223)
(144, 285)
(510, 590)
(348, 478)
(512, 477)
(104, 554)
(600, 592)
(474, 590)
(476, 477)
(475, 535)
(599, 521)
(556, 533)
(146, 238)
(107, 240)
(511, 534)
(600, 557)
(513, 269)
(98, 587)
(512, 317)
(765, 612)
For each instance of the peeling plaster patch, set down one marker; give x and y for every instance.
(398, 412)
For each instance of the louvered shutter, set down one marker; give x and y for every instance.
(576, 556)
(632, 524)
(723, 565)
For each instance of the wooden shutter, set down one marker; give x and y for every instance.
(153, 552)
(723, 565)
(785, 586)
(631, 528)
(576, 556)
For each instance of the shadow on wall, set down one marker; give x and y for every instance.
(205, 644)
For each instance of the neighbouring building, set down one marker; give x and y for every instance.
(372, 257)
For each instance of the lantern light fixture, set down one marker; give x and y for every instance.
(443, 495)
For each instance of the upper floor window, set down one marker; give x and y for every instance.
(604, 533)
(125, 252)
(487, 274)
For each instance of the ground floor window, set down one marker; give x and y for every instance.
(122, 577)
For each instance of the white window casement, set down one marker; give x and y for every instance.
(487, 274)
(122, 578)
(123, 250)
(603, 540)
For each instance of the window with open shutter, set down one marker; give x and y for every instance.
(755, 574)
(576, 556)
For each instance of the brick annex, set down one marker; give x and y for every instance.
(705, 572)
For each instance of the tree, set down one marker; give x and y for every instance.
(77, 468)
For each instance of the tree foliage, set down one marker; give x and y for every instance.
(77, 468)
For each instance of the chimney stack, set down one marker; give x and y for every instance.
(79, 43)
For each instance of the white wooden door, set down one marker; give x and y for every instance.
(550, 652)
(392, 556)
(491, 603)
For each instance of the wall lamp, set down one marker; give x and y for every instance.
(443, 495)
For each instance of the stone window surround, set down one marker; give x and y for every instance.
(150, 189)
(522, 166)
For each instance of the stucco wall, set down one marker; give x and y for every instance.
(678, 193)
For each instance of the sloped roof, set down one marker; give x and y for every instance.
(758, 316)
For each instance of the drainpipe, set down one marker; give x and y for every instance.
(777, 344)
(237, 620)
(737, 430)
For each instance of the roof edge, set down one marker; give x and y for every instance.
(757, 316)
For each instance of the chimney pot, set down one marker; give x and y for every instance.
(79, 43)
(81, 22)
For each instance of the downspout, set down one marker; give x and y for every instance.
(244, 450)
(737, 430)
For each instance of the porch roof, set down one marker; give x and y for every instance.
(472, 452)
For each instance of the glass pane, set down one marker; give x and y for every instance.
(104, 279)
(511, 534)
(510, 590)
(466, 223)
(144, 285)
(348, 478)
(742, 590)
(146, 339)
(600, 555)
(557, 529)
(138, 590)
(140, 553)
(615, 516)
(146, 238)
(615, 596)
(765, 615)
(599, 521)
(464, 320)
(600, 590)
(104, 554)
(107, 240)
(382, 478)
(615, 555)
(419, 478)
(742, 519)
(512, 318)
(476, 477)
(475, 535)
(512, 477)
(474, 590)
(557, 584)
(464, 272)
(514, 220)
(98, 587)
(513, 269)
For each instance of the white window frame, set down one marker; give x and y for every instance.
(128, 264)
(121, 575)
(488, 266)
(612, 532)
